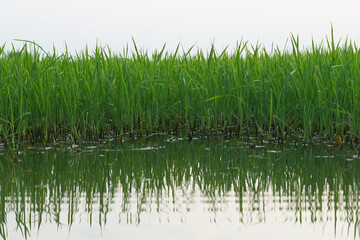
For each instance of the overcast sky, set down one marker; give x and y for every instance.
(154, 22)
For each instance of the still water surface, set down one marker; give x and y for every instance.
(169, 189)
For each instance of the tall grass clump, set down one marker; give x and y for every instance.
(45, 95)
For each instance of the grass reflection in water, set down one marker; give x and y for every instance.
(297, 184)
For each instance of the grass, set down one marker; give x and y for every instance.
(49, 96)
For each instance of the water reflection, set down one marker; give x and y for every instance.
(179, 182)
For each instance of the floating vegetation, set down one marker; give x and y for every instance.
(248, 91)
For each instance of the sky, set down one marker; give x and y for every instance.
(152, 23)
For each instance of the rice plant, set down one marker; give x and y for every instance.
(47, 96)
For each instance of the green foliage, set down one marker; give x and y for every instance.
(46, 95)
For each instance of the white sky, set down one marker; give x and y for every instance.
(152, 23)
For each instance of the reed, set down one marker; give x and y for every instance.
(45, 95)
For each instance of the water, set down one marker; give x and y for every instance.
(175, 189)
(153, 23)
